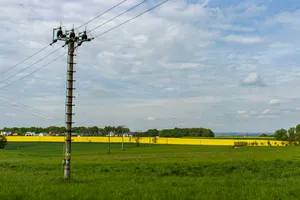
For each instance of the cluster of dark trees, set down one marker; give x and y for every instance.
(179, 132)
(176, 132)
(291, 135)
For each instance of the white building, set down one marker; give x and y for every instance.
(43, 134)
(30, 134)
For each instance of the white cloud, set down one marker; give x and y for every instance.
(243, 39)
(274, 102)
(266, 117)
(280, 45)
(11, 114)
(253, 79)
(242, 112)
(172, 63)
(266, 111)
(151, 118)
(170, 89)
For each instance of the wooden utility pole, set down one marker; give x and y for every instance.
(73, 42)
(69, 108)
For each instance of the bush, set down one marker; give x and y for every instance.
(3, 142)
(154, 140)
(137, 140)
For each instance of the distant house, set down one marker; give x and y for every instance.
(130, 134)
(6, 133)
(97, 134)
(111, 133)
(52, 133)
(75, 134)
(43, 134)
(30, 134)
(3, 133)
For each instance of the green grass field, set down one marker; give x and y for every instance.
(35, 171)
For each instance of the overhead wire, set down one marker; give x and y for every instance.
(125, 22)
(102, 13)
(56, 49)
(24, 60)
(19, 108)
(31, 65)
(94, 37)
(10, 68)
(36, 110)
(90, 31)
(9, 84)
(118, 16)
(29, 108)
(33, 71)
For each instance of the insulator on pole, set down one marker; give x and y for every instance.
(59, 33)
(72, 34)
(84, 36)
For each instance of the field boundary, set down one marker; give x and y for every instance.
(146, 140)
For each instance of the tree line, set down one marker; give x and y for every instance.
(178, 132)
(291, 135)
(61, 129)
(94, 130)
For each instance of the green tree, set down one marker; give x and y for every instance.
(93, 130)
(3, 142)
(298, 128)
(152, 132)
(281, 134)
(292, 132)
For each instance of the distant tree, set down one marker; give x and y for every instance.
(182, 132)
(3, 142)
(151, 133)
(281, 134)
(92, 130)
(298, 128)
(291, 135)
(292, 132)
(137, 137)
(297, 136)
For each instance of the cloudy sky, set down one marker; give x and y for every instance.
(226, 65)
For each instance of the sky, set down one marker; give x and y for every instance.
(225, 65)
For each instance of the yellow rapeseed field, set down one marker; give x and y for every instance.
(146, 140)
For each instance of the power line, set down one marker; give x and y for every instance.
(102, 14)
(125, 22)
(29, 108)
(35, 110)
(118, 15)
(19, 108)
(31, 65)
(43, 58)
(10, 68)
(33, 71)
(94, 37)
(24, 60)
